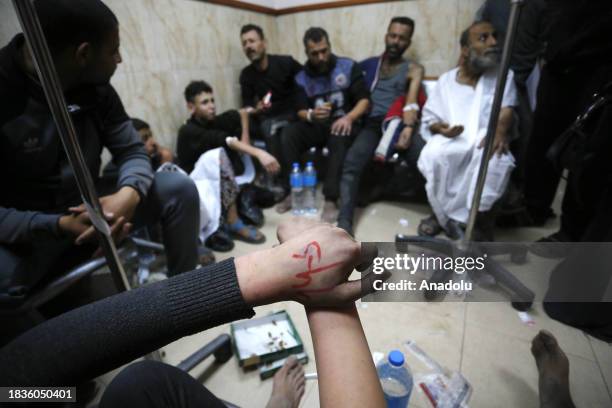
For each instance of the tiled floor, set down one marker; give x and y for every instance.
(486, 342)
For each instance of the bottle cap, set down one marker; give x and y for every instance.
(396, 358)
(308, 163)
(296, 164)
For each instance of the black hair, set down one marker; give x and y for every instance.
(195, 88)
(315, 34)
(252, 27)
(407, 21)
(68, 23)
(464, 40)
(140, 124)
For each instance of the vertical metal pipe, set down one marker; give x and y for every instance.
(504, 66)
(55, 97)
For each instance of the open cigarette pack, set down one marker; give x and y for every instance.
(266, 339)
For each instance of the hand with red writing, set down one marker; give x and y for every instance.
(311, 266)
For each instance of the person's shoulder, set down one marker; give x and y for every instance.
(346, 60)
(246, 72)
(187, 128)
(452, 74)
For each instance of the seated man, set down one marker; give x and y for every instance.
(388, 77)
(457, 115)
(267, 87)
(205, 130)
(40, 217)
(332, 98)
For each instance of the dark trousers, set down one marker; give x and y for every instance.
(357, 158)
(172, 201)
(269, 129)
(298, 137)
(150, 384)
(562, 96)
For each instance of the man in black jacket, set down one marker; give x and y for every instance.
(41, 215)
(267, 87)
(331, 101)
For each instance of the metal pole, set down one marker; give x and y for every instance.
(55, 97)
(494, 118)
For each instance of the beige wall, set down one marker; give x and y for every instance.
(167, 43)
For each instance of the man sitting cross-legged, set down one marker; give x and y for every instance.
(457, 115)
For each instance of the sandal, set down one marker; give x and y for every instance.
(253, 235)
(429, 227)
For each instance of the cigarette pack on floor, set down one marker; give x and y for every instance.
(265, 339)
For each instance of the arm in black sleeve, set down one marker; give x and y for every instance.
(247, 91)
(529, 43)
(193, 141)
(91, 340)
(25, 226)
(301, 99)
(125, 145)
(358, 89)
(295, 67)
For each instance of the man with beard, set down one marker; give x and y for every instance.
(388, 77)
(456, 117)
(331, 100)
(267, 87)
(43, 225)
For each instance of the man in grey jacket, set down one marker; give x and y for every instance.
(43, 225)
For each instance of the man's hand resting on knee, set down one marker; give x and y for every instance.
(311, 266)
(118, 209)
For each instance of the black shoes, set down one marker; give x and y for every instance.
(220, 241)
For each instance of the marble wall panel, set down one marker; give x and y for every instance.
(358, 31)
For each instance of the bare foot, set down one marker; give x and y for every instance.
(553, 369)
(289, 384)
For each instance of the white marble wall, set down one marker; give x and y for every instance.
(167, 43)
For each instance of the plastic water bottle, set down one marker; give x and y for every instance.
(310, 189)
(396, 380)
(296, 181)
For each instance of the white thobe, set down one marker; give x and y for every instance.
(450, 165)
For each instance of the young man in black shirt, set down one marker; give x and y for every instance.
(205, 130)
(40, 216)
(331, 100)
(267, 86)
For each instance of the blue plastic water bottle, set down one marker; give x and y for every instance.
(310, 189)
(396, 380)
(297, 189)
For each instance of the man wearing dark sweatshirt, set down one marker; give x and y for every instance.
(43, 223)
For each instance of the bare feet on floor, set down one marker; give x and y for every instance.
(289, 384)
(553, 369)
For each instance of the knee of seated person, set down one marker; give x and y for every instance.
(129, 382)
(177, 186)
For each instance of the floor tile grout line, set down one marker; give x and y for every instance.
(603, 377)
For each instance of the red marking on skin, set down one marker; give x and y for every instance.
(310, 251)
(306, 274)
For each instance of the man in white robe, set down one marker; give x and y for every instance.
(454, 123)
